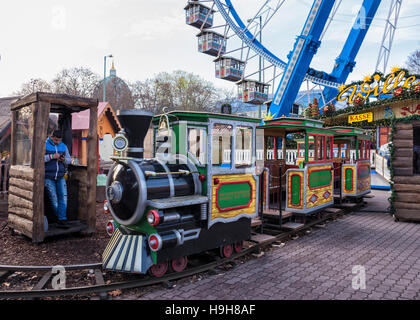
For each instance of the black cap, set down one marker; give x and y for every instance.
(58, 134)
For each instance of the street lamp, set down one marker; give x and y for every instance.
(108, 56)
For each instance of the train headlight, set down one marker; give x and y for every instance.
(120, 143)
(153, 218)
(155, 242)
(110, 228)
(106, 207)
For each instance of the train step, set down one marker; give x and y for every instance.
(369, 196)
(262, 238)
(346, 205)
(333, 210)
(271, 214)
(255, 222)
(293, 225)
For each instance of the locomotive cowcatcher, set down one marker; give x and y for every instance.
(198, 193)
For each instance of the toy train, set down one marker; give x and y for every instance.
(202, 188)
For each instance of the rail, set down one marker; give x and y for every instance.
(39, 291)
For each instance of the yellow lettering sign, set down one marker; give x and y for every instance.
(361, 117)
(376, 88)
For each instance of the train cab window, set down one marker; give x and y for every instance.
(243, 152)
(222, 145)
(163, 143)
(23, 140)
(196, 145)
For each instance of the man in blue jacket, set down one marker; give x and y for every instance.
(57, 157)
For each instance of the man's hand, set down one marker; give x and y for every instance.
(56, 156)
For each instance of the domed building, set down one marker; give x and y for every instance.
(118, 94)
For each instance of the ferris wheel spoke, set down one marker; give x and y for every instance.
(265, 68)
(331, 17)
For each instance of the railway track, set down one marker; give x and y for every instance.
(39, 290)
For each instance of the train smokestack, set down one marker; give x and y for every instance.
(135, 122)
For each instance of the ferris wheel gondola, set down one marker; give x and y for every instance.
(285, 76)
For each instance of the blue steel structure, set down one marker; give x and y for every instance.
(297, 69)
(306, 46)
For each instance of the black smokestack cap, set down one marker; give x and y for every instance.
(135, 122)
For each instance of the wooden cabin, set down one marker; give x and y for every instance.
(108, 127)
(211, 43)
(198, 15)
(29, 210)
(228, 68)
(405, 163)
(252, 91)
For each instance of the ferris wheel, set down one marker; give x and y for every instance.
(234, 39)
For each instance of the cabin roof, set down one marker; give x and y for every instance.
(80, 120)
(209, 31)
(5, 114)
(203, 116)
(251, 80)
(58, 102)
(228, 57)
(192, 3)
(350, 132)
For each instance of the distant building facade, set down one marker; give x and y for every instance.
(118, 94)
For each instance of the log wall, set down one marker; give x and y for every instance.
(406, 185)
(21, 194)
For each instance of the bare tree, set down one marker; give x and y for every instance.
(413, 62)
(76, 81)
(176, 91)
(34, 85)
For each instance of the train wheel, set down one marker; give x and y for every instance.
(226, 251)
(238, 246)
(179, 264)
(159, 270)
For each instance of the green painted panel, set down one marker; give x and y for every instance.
(320, 178)
(234, 195)
(296, 187)
(349, 179)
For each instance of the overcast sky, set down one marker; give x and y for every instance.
(40, 38)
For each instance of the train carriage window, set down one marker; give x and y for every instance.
(320, 144)
(243, 152)
(329, 148)
(311, 148)
(197, 144)
(270, 145)
(222, 145)
(362, 149)
(23, 143)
